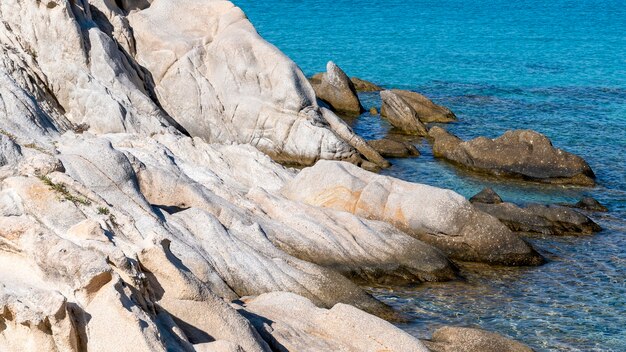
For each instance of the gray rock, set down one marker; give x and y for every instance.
(400, 114)
(335, 88)
(457, 339)
(587, 203)
(486, 196)
(522, 154)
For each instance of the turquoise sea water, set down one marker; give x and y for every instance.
(558, 67)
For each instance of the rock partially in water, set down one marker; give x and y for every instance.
(426, 110)
(393, 149)
(364, 86)
(335, 88)
(522, 154)
(292, 323)
(373, 111)
(400, 114)
(536, 218)
(486, 196)
(587, 203)
(457, 339)
(436, 216)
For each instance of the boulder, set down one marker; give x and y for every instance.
(486, 196)
(292, 323)
(335, 88)
(521, 154)
(457, 339)
(425, 109)
(221, 81)
(393, 149)
(587, 203)
(536, 218)
(436, 216)
(400, 114)
(373, 111)
(364, 86)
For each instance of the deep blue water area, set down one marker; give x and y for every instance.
(557, 67)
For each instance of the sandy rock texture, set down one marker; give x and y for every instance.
(522, 154)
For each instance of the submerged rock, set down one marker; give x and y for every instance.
(536, 218)
(335, 88)
(400, 114)
(424, 108)
(522, 154)
(364, 86)
(393, 149)
(436, 216)
(457, 339)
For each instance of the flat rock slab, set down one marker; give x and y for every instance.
(521, 154)
(426, 110)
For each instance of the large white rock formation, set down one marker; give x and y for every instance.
(139, 198)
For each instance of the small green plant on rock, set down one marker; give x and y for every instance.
(64, 192)
(103, 211)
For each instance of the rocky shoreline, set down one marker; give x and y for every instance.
(145, 205)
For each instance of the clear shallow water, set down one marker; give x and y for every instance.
(558, 67)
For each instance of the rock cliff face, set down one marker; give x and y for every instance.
(140, 207)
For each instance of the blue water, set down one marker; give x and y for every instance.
(558, 67)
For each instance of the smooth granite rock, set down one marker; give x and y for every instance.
(436, 216)
(587, 203)
(424, 108)
(335, 88)
(292, 323)
(522, 154)
(400, 114)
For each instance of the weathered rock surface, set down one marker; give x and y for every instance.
(440, 217)
(536, 218)
(335, 88)
(587, 203)
(522, 154)
(486, 196)
(424, 108)
(393, 149)
(292, 323)
(364, 86)
(400, 114)
(457, 339)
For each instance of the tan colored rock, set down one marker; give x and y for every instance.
(521, 154)
(335, 88)
(393, 149)
(364, 86)
(400, 114)
(425, 109)
(293, 323)
(436, 216)
(457, 339)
